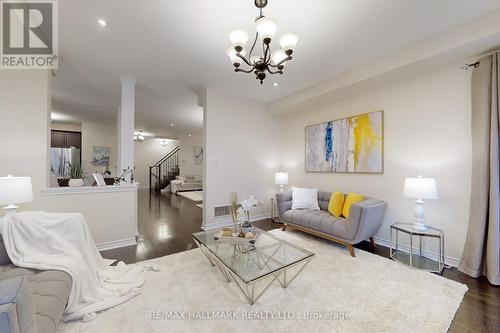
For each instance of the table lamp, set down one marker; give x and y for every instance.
(281, 179)
(15, 190)
(420, 188)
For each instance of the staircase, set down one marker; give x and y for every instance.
(164, 171)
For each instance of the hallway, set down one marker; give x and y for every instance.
(165, 224)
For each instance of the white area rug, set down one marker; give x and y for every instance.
(196, 196)
(374, 294)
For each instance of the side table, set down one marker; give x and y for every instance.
(274, 210)
(417, 260)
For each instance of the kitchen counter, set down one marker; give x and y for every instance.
(89, 189)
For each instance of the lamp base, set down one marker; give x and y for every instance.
(419, 226)
(282, 188)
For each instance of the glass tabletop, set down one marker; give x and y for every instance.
(408, 228)
(251, 262)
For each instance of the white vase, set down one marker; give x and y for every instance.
(75, 182)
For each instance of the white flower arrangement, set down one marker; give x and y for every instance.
(248, 204)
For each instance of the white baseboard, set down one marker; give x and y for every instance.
(116, 244)
(431, 255)
(226, 221)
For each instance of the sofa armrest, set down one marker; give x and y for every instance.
(368, 216)
(284, 202)
(17, 308)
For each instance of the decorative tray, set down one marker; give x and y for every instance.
(243, 237)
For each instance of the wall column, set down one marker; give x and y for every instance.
(125, 126)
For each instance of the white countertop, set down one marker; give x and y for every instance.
(89, 189)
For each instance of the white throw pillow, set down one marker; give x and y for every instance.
(305, 198)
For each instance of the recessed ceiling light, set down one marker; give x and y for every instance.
(172, 124)
(275, 84)
(190, 135)
(102, 22)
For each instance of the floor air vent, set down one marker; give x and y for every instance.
(222, 211)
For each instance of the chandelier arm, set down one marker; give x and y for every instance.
(268, 51)
(264, 51)
(244, 59)
(253, 46)
(281, 62)
(277, 72)
(243, 70)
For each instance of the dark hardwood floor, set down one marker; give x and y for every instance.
(166, 223)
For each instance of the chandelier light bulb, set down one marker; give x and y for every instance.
(266, 27)
(288, 42)
(278, 56)
(231, 53)
(238, 38)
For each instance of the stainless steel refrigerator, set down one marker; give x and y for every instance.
(59, 158)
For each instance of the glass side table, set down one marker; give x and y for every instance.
(417, 260)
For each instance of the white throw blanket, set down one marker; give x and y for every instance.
(62, 241)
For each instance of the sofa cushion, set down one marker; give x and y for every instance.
(324, 200)
(304, 198)
(17, 306)
(351, 198)
(50, 294)
(336, 203)
(322, 221)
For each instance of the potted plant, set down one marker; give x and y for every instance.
(76, 173)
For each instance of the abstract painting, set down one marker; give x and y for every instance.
(100, 155)
(353, 145)
(198, 155)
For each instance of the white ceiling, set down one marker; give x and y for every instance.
(174, 47)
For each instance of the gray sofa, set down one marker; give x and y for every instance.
(31, 301)
(365, 219)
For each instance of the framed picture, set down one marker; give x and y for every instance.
(352, 145)
(99, 179)
(100, 155)
(198, 155)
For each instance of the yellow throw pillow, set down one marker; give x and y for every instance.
(336, 203)
(349, 200)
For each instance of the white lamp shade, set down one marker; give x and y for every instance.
(420, 188)
(15, 190)
(281, 178)
(238, 38)
(266, 27)
(288, 42)
(277, 56)
(231, 53)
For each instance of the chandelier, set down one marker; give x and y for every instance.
(267, 62)
(138, 136)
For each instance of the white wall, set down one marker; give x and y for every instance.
(146, 154)
(98, 135)
(24, 135)
(427, 131)
(186, 155)
(241, 155)
(24, 146)
(66, 127)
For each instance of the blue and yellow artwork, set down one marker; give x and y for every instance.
(353, 144)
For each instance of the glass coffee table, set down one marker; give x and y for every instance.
(261, 263)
